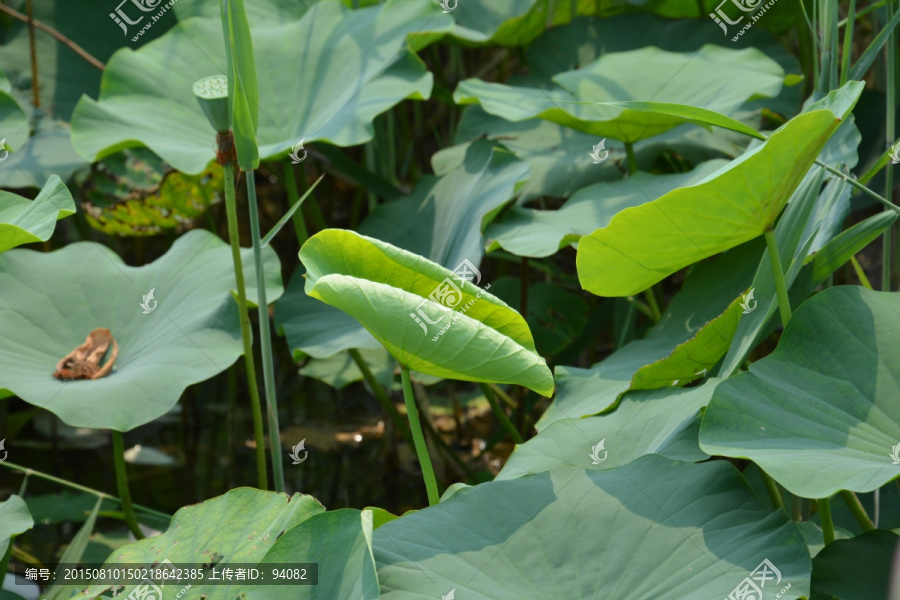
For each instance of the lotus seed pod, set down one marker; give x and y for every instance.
(212, 95)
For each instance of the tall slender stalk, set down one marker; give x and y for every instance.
(857, 510)
(891, 97)
(784, 303)
(772, 489)
(415, 426)
(122, 484)
(35, 87)
(848, 43)
(827, 522)
(632, 158)
(501, 415)
(290, 182)
(265, 338)
(382, 397)
(231, 209)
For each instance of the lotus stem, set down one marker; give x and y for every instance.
(382, 397)
(856, 508)
(784, 303)
(265, 338)
(31, 472)
(231, 209)
(859, 186)
(501, 415)
(890, 65)
(122, 484)
(772, 489)
(290, 182)
(419, 438)
(827, 522)
(632, 159)
(848, 42)
(448, 451)
(35, 84)
(652, 304)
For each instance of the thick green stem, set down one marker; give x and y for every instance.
(122, 484)
(772, 489)
(827, 522)
(265, 338)
(784, 303)
(382, 397)
(796, 508)
(231, 209)
(31, 472)
(419, 438)
(856, 508)
(652, 304)
(891, 53)
(632, 159)
(501, 415)
(290, 182)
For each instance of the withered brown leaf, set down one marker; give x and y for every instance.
(84, 361)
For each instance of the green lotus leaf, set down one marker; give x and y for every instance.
(813, 218)
(560, 157)
(14, 124)
(539, 233)
(653, 528)
(441, 220)
(24, 221)
(52, 301)
(240, 526)
(340, 542)
(644, 244)
(357, 62)
(605, 99)
(861, 567)
(691, 336)
(819, 414)
(664, 422)
(388, 289)
(14, 519)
